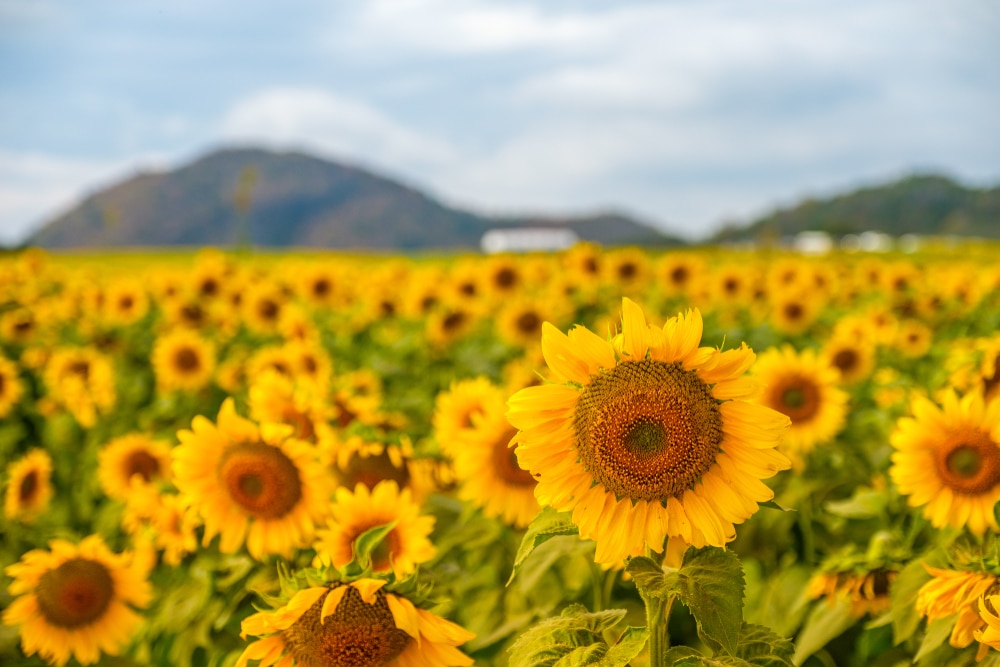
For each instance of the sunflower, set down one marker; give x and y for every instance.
(76, 600)
(404, 547)
(868, 592)
(126, 302)
(83, 380)
(486, 465)
(250, 483)
(270, 358)
(519, 319)
(679, 271)
(852, 356)
(457, 410)
(262, 306)
(10, 386)
(988, 612)
(648, 438)
(310, 363)
(18, 326)
(132, 460)
(449, 323)
(356, 624)
(183, 361)
(947, 460)
(296, 325)
(793, 310)
(276, 398)
(956, 593)
(803, 387)
(318, 285)
(169, 519)
(504, 276)
(914, 338)
(29, 486)
(583, 262)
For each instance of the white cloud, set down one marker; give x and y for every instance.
(332, 123)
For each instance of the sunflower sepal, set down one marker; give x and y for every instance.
(547, 524)
(368, 541)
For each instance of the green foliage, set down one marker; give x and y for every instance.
(576, 638)
(548, 524)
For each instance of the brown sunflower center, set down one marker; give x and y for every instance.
(969, 462)
(193, 314)
(794, 311)
(731, 285)
(590, 265)
(23, 327)
(187, 360)
(529, 322)
(3, 381)
(80, 368)
(28, 486)
(647, 429)
(261, 479)
(627, 270)
(126, 302)
(796, 396)
(142, 463)
(846, 360)
(321, 287)
(505, 462)
(268, 310)
(468, 289)
(357, 634)
(304, 429)
(505, 277)
(370, 470)
(76, 593)
(209, 287)
(679, 276)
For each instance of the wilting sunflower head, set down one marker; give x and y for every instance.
(252, 484)
(653, 440)
(29, 486)
(956, 593)
(76, 600)
(183, 361)
(132, 460)
(358, 624)
(804, 387)
(947, 460)
(867, 592)
(353, 513)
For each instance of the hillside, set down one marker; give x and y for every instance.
(918, 204)
(290, 199)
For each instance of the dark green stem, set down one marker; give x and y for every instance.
(657, 615)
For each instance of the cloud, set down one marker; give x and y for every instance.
(334, 124)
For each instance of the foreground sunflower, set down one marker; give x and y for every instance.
(804, 387)
(353, 513)
(250, 483)
(76, 600)
(649, 437)
(356, 624)
(959, 594)
(947, 460)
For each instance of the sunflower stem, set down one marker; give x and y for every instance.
(657, 615)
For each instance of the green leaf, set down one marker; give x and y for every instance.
(368, 541)
(825, 622)
(548, 524)
(937, 632)
(555, 639)
(864, 504)
(585, 656)
(629, 645)
(770, 504)
(763, 647)
(903, 594)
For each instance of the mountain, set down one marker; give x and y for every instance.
(291, 199)
(924, 204)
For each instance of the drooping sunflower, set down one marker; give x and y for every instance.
(956, 593)
(356, 624)
(132, 460)
(947, 460)
(486, 465)
(251, 483)
(183, 361)
(29, 486)
(868, 592)
(803, 387)
(989, 612)
(354, 512)
(76, 600)
(10, 386)
(649, 438)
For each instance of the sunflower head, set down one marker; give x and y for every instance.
(29, 486)
(651, 436)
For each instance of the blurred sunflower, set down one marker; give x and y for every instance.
(793, 310)
(356, 624)
(449, 323)
(947, 460)
(583, 262)
(913, 338)
(10, 386)
(956, 593)
(355, 460)
(29, 486)
(167, 517)
(18, 326)
(83, 380)
(261, 307)
(989, 612)
(457, 410)
(354, 512)
(132, 460)
(296, 325)
(852, 356)
(182, 361)
(317, 285)
(803, 387)
(276, 398)
(678, 272)
(486, 465)
(251, 484)
(503, 276)
(126, 302)
(309, 363)
(465, 283)
(76, 600)
(868, 592)
(649, 438)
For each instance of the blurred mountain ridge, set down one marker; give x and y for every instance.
(290, 199)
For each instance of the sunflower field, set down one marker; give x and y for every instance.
(595, 457)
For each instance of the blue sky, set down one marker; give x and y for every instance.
(686, 114)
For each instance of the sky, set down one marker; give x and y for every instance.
(685, 114)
